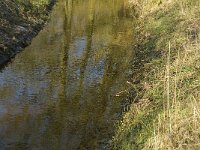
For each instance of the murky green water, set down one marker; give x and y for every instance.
(60, 92)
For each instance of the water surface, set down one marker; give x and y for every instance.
(60, 92)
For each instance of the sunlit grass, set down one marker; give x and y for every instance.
(166, 116)
(177, 126)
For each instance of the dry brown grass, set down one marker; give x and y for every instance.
(178, 126)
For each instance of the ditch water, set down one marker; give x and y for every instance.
(62, 91)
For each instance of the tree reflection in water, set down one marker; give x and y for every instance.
(59, 93)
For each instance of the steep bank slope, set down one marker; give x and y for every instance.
(20, 21)
(166, 108)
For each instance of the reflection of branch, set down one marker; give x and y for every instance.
(89, 30)
(60, 113)
(66, 42)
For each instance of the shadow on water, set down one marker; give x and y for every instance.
(60, 92)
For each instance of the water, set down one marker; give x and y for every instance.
(61, 92)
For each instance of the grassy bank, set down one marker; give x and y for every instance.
(20, 21)
(165, 113)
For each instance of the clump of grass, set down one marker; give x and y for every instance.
(166, 116)
(177, 125)
(20, 21)
(22, 13)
